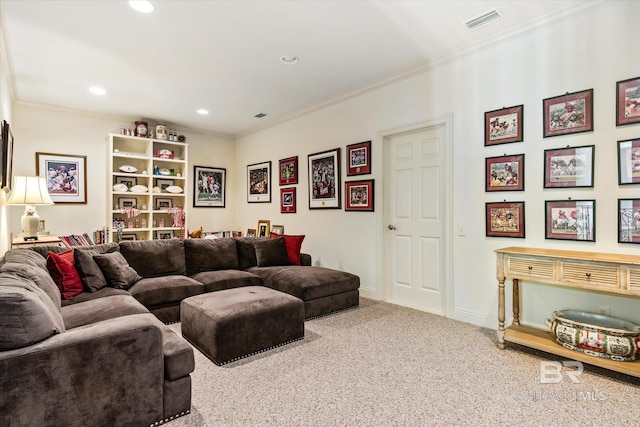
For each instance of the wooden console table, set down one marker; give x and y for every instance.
(592, 271)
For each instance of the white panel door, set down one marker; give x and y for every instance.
(415, 248)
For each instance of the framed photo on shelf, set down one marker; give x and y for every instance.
(277, 229)
(259, 182)
(324, 180)
(263, 228)
(569, 113)
(164, 203)
(504, 126)
(209, 187)
(629, 161)
(570, 220)
(288, 200)
(359, 158)
(164, 234)
(6, 156)
(251, 232)
(129, 181)
(504, 173)
(66, 176)
(359, 195)
(127, 202)
(628, 220)
(288, 170)
(628, 101)
(163, 183)
(129, 237)
(505, 219)
(569, 167)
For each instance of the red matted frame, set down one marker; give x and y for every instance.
(288, 171)
(628, 101)
(569, 167)
(504, 173)
(359, 158)
(629, 161)
(504, 125)
(570, 220)
(288, 200)
(628, 220)
(568, 113)
(359, 195)
(505, 219)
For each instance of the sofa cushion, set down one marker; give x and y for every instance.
(293, 244)
(116, 270)
(226, 279)
(210, 255)
(154, 258)
(27, 314)
(90, 273)
(100, 309)
(307, 283)
(89, 296)
(271, 252)
(247, 251)
(178, 354)
(26, 256)
(37, 275)
(63, 271)
(165, 290)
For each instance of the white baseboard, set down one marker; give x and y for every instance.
(474, 318)
(370, 293)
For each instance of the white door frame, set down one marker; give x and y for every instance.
(447, 121)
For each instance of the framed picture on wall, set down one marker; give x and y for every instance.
(359, 195)
(505, 219)
(66, 176)
(259, 182)
(504, 173)
(209, 187)
(6, 156)
(628, 220)
(324, 180)
(569, 167)
(288, 200)
(570, 220)
(504, 125)
(569, 113)
(629, 161)
(628, 101)
(359, 158)
(288, 170)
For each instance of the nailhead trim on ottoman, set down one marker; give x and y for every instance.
(234, 323)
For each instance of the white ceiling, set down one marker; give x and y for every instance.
(224, 55)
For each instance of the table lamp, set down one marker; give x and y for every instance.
(29, 191)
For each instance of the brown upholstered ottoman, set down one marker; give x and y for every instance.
(230, 324)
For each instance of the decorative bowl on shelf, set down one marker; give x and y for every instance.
(165, 171)
(595, 334)
(173, 189)
(156, 189)
(128, 169)
(139, 189)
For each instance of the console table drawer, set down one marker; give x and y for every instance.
(521, 267)
(634, 280)
(592, 275)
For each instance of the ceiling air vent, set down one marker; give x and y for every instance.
(487, 17)
(259, 115)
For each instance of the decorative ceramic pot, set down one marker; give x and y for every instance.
(141, 129)
(596, 335)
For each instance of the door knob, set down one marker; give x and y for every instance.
(391, 227)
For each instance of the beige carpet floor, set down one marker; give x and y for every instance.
(386, 365)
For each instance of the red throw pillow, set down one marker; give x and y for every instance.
(293, 245)
(63, 271)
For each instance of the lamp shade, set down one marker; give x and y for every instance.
(29, 190)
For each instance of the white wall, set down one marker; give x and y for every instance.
(41, 129)
(593, 50)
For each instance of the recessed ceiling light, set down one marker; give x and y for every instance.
(143, 6)
(289, 59)
(97, 90)
(203, 111)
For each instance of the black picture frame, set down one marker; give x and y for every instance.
(505, 219)
(324, 180)
(504, 126)
(570, 220)
(504, 173)
(259, 182)
(209, 187)
(628, 101)
(359, 196)
(628, 220)
(569, 167)
(629, 161)
(359, 158)
(568, 114)
(6, 154)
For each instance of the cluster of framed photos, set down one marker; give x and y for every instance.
(324, 180)
(568, 167)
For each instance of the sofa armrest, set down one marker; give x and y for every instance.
(305, 259)
(107, 372)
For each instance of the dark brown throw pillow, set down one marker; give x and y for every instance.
(271, 252)
(116, 270)
(90, 273)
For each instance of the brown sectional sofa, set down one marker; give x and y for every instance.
(102, 358)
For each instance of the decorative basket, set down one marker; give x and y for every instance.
(596, 335)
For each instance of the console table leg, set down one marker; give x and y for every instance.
(516, 301)
(501, 313)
